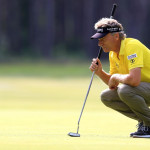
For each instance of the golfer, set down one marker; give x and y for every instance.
(129, 75)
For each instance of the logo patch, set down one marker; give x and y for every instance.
(132, 56)
(132, 61)
(117, 65)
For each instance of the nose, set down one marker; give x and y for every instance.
(100, 42)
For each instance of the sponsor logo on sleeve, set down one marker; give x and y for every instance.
(132, 56)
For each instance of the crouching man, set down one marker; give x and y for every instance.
(130, 66)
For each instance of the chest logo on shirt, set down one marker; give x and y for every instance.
(117, 65)
(132, 56)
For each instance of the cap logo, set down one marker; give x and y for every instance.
(108, 29)
(100, 30)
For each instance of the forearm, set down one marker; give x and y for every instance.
(125, 79)
(104, 76)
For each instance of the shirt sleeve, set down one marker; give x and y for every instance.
(134, 56)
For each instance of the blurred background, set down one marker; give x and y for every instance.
(54, 30)
(45, 54)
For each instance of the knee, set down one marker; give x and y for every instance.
(124, 91)
(105, 97)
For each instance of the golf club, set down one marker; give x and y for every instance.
(99, 55)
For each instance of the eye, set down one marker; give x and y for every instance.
(101, 39)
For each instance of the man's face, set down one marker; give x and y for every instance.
(107, 42)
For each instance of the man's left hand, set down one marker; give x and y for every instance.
(113, 83)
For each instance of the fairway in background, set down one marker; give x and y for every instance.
(45, 69)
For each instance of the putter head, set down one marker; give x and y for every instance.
(74, 134)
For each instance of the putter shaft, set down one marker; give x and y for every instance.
(85, 100)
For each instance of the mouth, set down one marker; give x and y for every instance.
(105, 49)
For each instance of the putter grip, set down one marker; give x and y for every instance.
(99, 54)
(113, 10)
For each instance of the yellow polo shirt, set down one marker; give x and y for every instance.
(132, 54)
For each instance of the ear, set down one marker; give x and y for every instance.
(117, 36)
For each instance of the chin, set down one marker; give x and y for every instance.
(106, 51)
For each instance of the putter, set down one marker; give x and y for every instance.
(99, 55)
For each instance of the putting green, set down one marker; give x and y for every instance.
(38, 113)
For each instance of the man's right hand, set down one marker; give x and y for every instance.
(96, 66)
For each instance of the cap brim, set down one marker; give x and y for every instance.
(98, 35)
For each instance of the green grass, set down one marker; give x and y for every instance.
(36, 113)
(45, 69)
(48, 69)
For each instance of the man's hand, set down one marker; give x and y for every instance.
(96, 67)
(113, 83)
